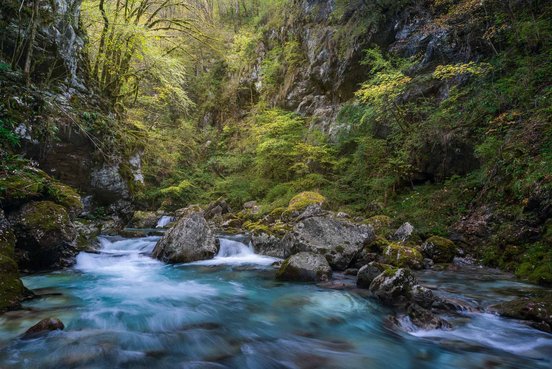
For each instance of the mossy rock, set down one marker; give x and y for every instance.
(11, 291)
(7, 237)
(65, 196)
(144, 219)
(301, 201)
(403, 256)
(258, 227)
(379, 222)
(21, 186)
(378, 245)
(439, 249)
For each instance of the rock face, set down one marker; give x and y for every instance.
(11, 288)
(439, 249)
(368, 273)
(336, 239)
(43, 327)
(403, 233)
(190, 239)
(305, 267)
(45, 236)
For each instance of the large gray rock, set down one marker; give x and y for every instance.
(267, 244)
(337, 240)
(368, 273)
(394, 286)
(190, 239)
(305, 267)
(45, 236)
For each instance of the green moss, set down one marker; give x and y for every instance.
(403, 256)
(65, 196)
(304, 199)
(11, 290)
(22, 186)
(378, 245)
(536, 264)
(440, 249)
(46, 216)
(276, 228)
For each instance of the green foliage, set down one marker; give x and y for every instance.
(7, 134)
(455, 70)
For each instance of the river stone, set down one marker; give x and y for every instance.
(267, 244)
(368, 273)
(394, 286)
(44, 326)
(45, 236)
(336, 239)
(425, 319)
(403, 256)
(190, 239)
(537, 310)
(439, 249)
(305, 267)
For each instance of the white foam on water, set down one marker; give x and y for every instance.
(163, 221)
(233, 252)
(496, 332)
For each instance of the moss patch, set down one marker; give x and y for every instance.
(403, 256)
(301, 201)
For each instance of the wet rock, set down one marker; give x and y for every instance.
(144, 219)
(368, 273)
(439, 249)
(336, 239)
(190, 239)
(305, 267)
(537, 310)
(394, 286)
(425, 319)
(11, 287)
(267, 244)
(45, 236)
(422, 296)
(351, 271)
(403, 256)
(43, 327)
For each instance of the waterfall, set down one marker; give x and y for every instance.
(163, 221)
(233, 251)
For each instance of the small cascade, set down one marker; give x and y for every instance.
(235, 252)
(232, 248)
(163, 221)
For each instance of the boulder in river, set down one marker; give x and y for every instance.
(45, 236)
(267, 244)
(439, 249)
(11, 287)
(338, 240)
(403, 256)
(43, 327)
(536, 310)
(190, 239)
(368, 273)
(394, 286)
(305, 267)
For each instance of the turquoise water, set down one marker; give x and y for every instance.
(123, 309)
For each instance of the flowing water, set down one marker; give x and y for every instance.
(164, 221)
(123, 309)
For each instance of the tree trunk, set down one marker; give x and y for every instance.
(30, 47)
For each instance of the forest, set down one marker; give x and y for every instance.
(383, 136)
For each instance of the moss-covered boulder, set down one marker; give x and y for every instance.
(403, 256)
(27, 184)
(305, 267)
(11, 288)
(536, 310)
(439, 249)
(45, 236)
(65, 196)
(301, 201)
